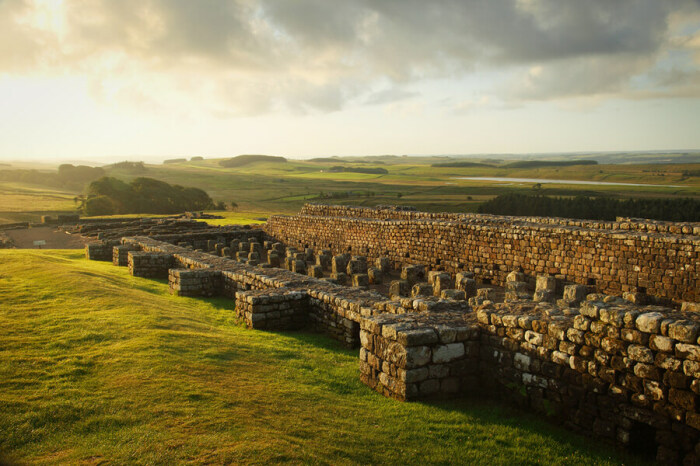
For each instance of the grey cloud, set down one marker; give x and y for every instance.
(387, 96)
(320, 54)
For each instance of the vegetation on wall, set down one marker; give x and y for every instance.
(593, 208)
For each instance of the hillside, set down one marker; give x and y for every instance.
(99, 366)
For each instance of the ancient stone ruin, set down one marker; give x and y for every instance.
(593, 324)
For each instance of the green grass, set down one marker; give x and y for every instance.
(97, 366)
(237, 218)
(21, 202)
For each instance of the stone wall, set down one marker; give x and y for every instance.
(100, 251)
(149, 264)
(402, 213)
(609, 256)
(623, 372)
(626, 373)
(277, 309)
(420, 355)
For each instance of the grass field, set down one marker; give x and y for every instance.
(23, 202)
(100, 367)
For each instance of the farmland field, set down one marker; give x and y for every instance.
(265, 187)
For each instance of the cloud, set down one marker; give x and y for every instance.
(390, 95)
(246, 57)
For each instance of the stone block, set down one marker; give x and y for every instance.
(315, 271)
(383, 264)
(375, 275)
(421, 289)
(442, 281)
(546, 283)
(447, 353)
(574, 294)
(360, 280)
(457, 295)
(466, 284)
(399, 288)
(413, 273)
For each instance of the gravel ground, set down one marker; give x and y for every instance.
(55, 239)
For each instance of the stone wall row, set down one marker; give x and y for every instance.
(613, 262)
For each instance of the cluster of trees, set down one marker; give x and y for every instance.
(345, 194)
(242, 160)
(368, 170)
(67, 176)
(134, 167)
(110, 196)
(593, 208)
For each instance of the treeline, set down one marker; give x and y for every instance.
(111, 196)
(462, 164)
(547, 163)
(67, 176)
(242, 160)
(593, 208)
(518, 164)
(368, 170)
(135, 167)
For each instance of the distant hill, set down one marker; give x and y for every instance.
(242, 160)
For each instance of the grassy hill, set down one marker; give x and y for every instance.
(97, 366)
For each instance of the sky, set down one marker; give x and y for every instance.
(154, 79)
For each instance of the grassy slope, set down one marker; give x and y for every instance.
(97, 365)
(22, 202)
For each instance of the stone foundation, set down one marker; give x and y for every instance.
(617, 369)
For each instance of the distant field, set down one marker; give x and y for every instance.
(284, 187)
(22, 202)
(101, 367)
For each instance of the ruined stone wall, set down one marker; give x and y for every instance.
(621, 371)
(612, 260)
(399, 213)
(329, 308)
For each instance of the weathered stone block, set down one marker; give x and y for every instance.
(360, 280)
(546, 283)
(447, 353)
(399, 288)
(650, 322)
(421, 289)
(457, 295)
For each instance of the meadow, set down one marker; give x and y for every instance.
(98, 367)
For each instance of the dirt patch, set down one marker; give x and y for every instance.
(55, 239)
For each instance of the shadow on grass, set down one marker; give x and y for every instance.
(496, 414)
